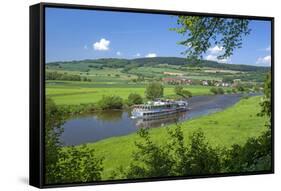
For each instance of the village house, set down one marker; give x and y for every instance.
(216, 83)
(236, 82)
(205, 83)
(178, 80)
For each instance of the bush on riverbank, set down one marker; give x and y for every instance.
(216, 91)
(220, 91)
(69, 110)
(107, 102)
(110, 102)
(134, 98)
(182, 92)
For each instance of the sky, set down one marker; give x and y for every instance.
(74, 34)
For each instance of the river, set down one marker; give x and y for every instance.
(102, 125)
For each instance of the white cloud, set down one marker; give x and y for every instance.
(118, 53)
(138, 55)
(264, 60)
(216, 50)
(211, 57)
(151, 55)
(214, 58)
(102, 45)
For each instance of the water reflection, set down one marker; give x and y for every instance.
(159, 121)
(110, 115)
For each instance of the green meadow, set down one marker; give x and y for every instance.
(72, 93)
(222, 129)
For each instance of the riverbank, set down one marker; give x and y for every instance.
(70, 93)
(222, 129)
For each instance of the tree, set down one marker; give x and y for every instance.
(172, 158)
(110, 102)
(134, 98)
(181, 92)
(178, 89)
(266, 101)
(220, 91)
(154, 90)
(214, 90)
(255, 155)
(53, 121)
(202, 32)
(79, 164)
(66, 165)
(240, 88)
(150, 159)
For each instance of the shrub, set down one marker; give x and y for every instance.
(220, 91)
(186, 93)
(110, 102)
(181, 92)
(79, 164)
(176, 158)
(240, 88)
(66, 165)
(154, 90)
(134, 98)
(217, 90)
(255, 155)
(214, 90)
(172, 158)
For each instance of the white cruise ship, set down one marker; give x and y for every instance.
(158, 108)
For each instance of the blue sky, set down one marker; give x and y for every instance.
(73, 34)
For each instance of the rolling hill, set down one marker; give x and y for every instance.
(142, 62)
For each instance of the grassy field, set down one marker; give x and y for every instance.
(111, 77)
(99, 75)
(71, 93)
(231, 126)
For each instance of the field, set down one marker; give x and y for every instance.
(71, 93)
(222, 129)
(122, 77)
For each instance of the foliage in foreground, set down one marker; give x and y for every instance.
(202, 32)
(68, 165)
(266, 102)
(175, 158)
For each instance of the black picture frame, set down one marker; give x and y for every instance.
(37, 91)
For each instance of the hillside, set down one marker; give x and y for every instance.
(140, 62)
